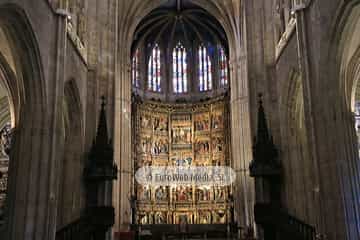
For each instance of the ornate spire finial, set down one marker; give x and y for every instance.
(260, 95)
(102, 134)
(262, 131)
(103, 102)
(265, 153)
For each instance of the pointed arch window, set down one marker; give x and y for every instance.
(224, 68)
(357, 122)
(135, 69)
(154, 70)
(205, 76)
(180, 84)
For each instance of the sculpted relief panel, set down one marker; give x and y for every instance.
(182, 135)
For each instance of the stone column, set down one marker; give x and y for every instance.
(38, 144)
(123, 139)
(241, 144)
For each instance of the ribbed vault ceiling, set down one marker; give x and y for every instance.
(182, 21)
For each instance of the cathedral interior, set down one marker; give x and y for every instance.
(107, 107)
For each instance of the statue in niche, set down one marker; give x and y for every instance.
(145, 145)
(160, 123)
(219, 193)
(160, 146)
(202, 123)
(144, 193)
(143, 218)
(145, 121)
(217, 121)
(219, 217)
(183, 194)
(159, 218)
(181, 135)
(203, 194)
(218, 143)
(161, 194)
(202, 147)
(204, 217)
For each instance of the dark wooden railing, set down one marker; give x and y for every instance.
(93, 225)
(77, 230)
(286, 226)
(297, 229)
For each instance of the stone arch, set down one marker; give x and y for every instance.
(352, 78)
(29, 197)
(335, 136)
(128, 19)
(71, 189)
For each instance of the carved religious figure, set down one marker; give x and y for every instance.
(217, 144)
(181, 135)
(219, 193)
(202, 147)
(204, 217)
(160, 146)
(203, 194)
(161, 194)
(217, 121)
(145, 122)
(160, 123)
(202, 122)
(144, 193)
(159, 218)
(183, 194)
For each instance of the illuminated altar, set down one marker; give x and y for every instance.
(181, 135)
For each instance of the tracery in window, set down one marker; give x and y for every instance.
(180, 84)
(154, 70)
(205, 76)
(224, 68)
(135, 69)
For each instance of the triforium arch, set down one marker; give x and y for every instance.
(129, 18)
(30, 151)
(335, 94)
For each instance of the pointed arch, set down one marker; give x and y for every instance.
(154, 69)
(31, 152)
(204, 69)
(179, 67)
(135, 68)
(223, 67)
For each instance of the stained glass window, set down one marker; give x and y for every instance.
(135, 69)
(154, 70)
(357, 121)
(224, 68)
(205, 77)
(180, 84)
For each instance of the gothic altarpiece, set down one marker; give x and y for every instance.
(5, 140)
(182, 135)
